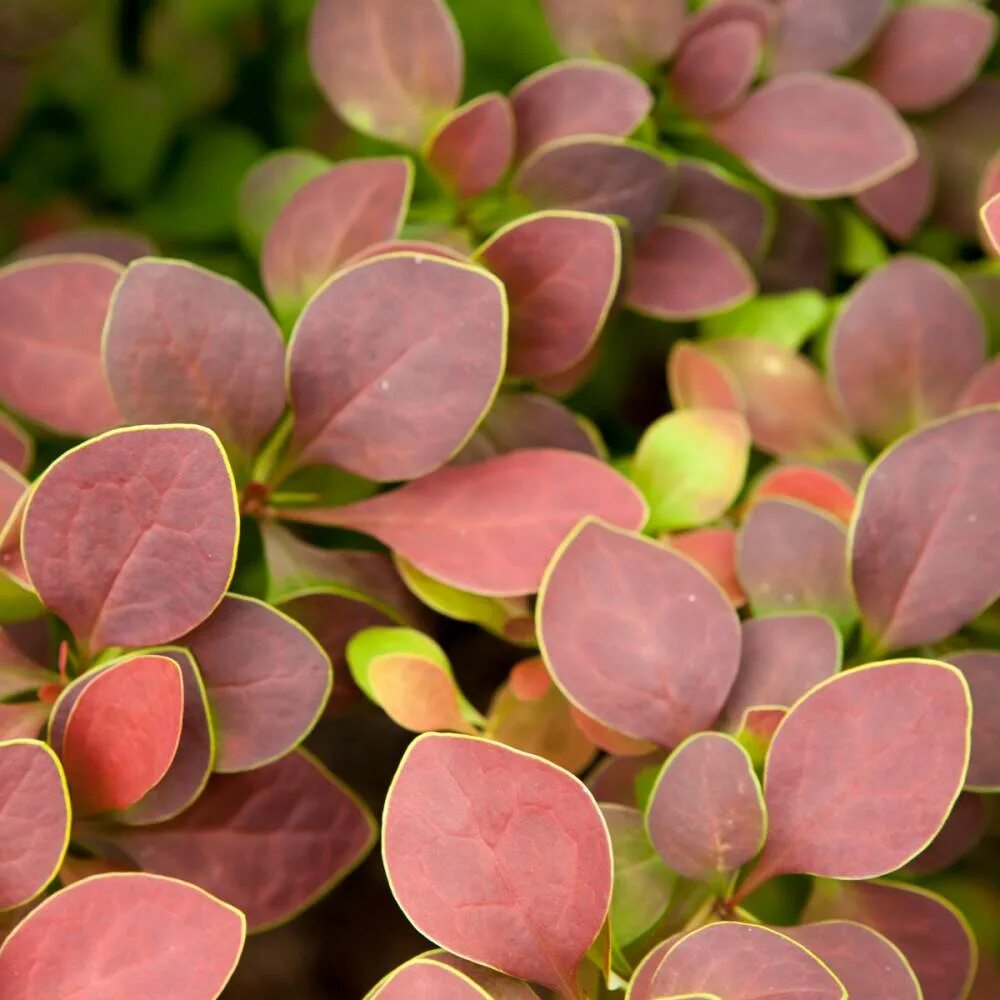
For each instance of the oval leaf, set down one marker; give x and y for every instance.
(50, 335)
(450, 826)
(390, 68)
(900, 204)
(183, 344)
(981, 669)
(904, 345)
(607, 176)
(888, 742)
(683, 269)
(928, 52)
(824, 34)
(34, 820)
(809, 485)
(925, 549)
(151, 920)
(491, 527)
(473, 147)
(655, 662)
(560, 271)
(706, 813)
(121, 734)
(270, 841)
(577, 98)
(329, 220)
(716, 67)
(696, 379)
(496, 984)
(816, 136)
(421, 979)
(393, 363)
(131, 537)
(714, 550)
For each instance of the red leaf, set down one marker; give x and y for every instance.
(22, 720)
(927, 53)
(706, 812)
(900, 204)
(424, 979)
(122, 732)
(791, 557)
(708, 194)
(684, 270)
(824, 34)
(472, 148)
(13, 487)
(560, 271)
(330, 219)
(497, 985)
(655, 663)
(118, 245)
(697, 380)
(928, 930)
(716, 67)
(714, 550)
(129, 933)
(493, 526)
(981, 669)
(16, 447)
(888, 742)
(266, 677)
(962, 830)
(574, 98)
(807, 484)
(904, 344)
(131, 537)
(390, 68)
(782, 658)
(815, 136)
(869, 965)
(925, 545)
(34, 820)
(183, 344)
(270, 841)
(743, 962)
(606, 176)
(631, 32)
(518, 884)
(393, 364)
(50, 336)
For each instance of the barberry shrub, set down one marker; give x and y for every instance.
(750, 731)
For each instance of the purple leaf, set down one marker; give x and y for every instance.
(716, 68)
(981, 669)
(900, 204)
(824, 34)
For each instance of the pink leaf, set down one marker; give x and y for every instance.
(981, 669)
(900, 204)
(426, 979)
(16, 447)
(824, 34)
(118, 245)
(716, 67)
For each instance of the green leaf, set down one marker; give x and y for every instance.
(788, 319)
(862, 248)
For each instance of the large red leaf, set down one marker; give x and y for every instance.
(270, 841)
(788, 406)
(267, 680)
(683, 269)
(183, 344)
(192, 764)
(708, 194)
(393, 364)
(498, 856)
(491, 527)
(329, 220)
(816, 136)
(16, 447)
(930, 932)
(981, 669)
(743, 962)
(653, 657)
(900, 204)
(716, 67)
(631, 32)
(594, 174)
(496, 984)
(390, 68)
(869, 965)
(560, 271)
(824, 34)
(472, 148)
(51, 318)
(782, 658)
(121, 734)
(863, 771)
(706, 813)
(925, 541)
(577, 98)
(133, 935)
(904, 345)
(927, 53)
(131, 537)
(34, 820)
(425, 979)
(791, 557)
